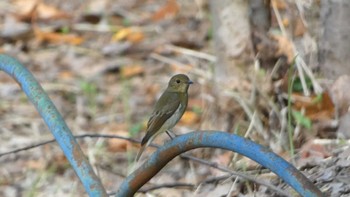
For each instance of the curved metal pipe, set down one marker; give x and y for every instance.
(223, 140)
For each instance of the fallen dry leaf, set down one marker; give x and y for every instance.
(315, 109)
(299, 27)
(27, 9)
(311, 150)
(132, 35)
(121, 34)
(66, 74)
(285, 22)
(47, 12)
(280, 4)
(132, 70)
(14, 28)
(36, 164)
(118, 145)
(181, 69)
(57, 38)
(189, 118)
(285, 47)
(170, 10)
(24, 8)
(135, 37)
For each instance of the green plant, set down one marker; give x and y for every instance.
(90, 92)
(301, 119)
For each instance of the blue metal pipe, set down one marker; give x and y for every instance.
(56, 124)
(223, 140)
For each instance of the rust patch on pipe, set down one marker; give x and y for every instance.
(76, 154)
(147, 171)
(307, 185)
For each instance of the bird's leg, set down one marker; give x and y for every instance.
(168, 132)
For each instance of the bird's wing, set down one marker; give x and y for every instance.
(159, 116)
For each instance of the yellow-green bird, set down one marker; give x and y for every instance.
(168, 110)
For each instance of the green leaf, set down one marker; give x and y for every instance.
(88, 88)
(126, 22)
(65, 30)
(298, 87)
(301, 119)
(135, 129)
(197, 109)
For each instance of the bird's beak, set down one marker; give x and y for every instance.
(190, 82)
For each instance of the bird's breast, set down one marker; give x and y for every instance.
(171, 122)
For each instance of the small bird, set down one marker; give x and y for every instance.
(168, 110)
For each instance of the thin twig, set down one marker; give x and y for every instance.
(257, 123)
(190, 52)
(26, 148)
(317, 87)
(167, 60)
(231, 188)
(234, 173)
(301, 12)
(167, 185)
(210, 180)
(247, 133)
(77, 136)
(300, 63)
(170, 61)
(284, 33)
(331, 142)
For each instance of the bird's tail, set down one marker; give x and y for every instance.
(144, 143)
(140, 152)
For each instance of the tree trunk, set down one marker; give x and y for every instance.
(335, 39)
(232, 38)
(235, 55)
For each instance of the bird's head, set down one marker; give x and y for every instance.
(179, 83)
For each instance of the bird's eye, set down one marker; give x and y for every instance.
(178, 81)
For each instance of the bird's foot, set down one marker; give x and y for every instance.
(171, 134)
